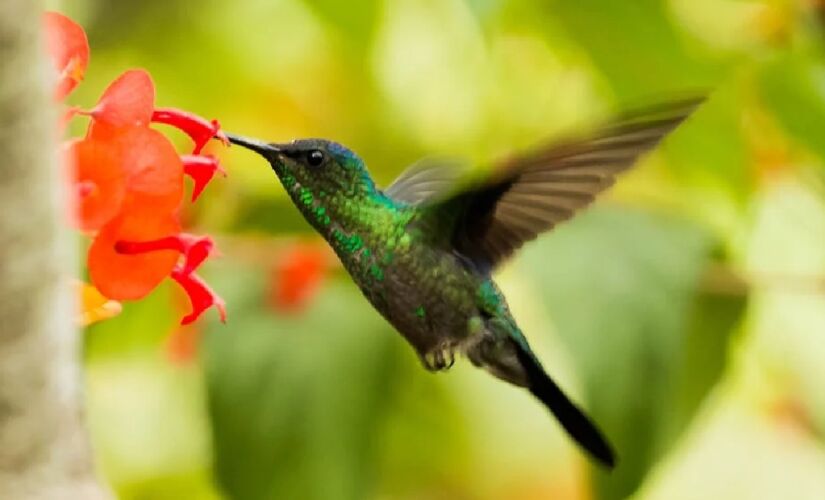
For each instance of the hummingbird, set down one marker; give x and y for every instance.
(423, 249)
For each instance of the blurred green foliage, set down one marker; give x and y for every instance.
(634, 326)
(686, 311)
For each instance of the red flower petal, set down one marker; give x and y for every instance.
(154, 172)
(201, 296)
(122, 276)
(198, 129)
(297, 276)
(129, 100)
(137, 247)
(99, 181)
(68, 47)
(195, 249)
(201, 168)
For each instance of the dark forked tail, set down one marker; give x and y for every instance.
(574, 421)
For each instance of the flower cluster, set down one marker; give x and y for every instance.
(128, 180)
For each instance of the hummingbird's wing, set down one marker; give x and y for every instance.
(428, 180)
(531, 193)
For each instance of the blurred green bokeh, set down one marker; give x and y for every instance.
(686, 311)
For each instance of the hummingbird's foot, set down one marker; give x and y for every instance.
(440, 358)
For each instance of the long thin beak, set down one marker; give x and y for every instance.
(259, 147)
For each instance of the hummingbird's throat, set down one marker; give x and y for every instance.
(347, 221)
(310, 204)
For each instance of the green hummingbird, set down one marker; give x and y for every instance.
(423, 249)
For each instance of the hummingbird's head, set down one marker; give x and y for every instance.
(318, 165)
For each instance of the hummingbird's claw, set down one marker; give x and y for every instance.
(440, 358)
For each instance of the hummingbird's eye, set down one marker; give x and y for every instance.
(315, 158)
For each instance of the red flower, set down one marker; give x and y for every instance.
(297, 276)
(198, 129)
(68, 49)
(201, 296)
(99, 180)
(201, 168)
(129, 100)
(128, 180)
(125, 276)
(154, 171)
(194, 249)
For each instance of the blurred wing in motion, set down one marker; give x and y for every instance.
(531, 193)
(428, 181)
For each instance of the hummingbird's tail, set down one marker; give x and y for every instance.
(508, 357)
(574, 421)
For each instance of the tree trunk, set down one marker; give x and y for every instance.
(44, 450)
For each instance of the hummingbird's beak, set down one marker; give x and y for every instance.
(260, 147)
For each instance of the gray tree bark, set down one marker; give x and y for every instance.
(44, 450)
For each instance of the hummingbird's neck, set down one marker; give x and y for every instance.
(357, 219)
(332, 210)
